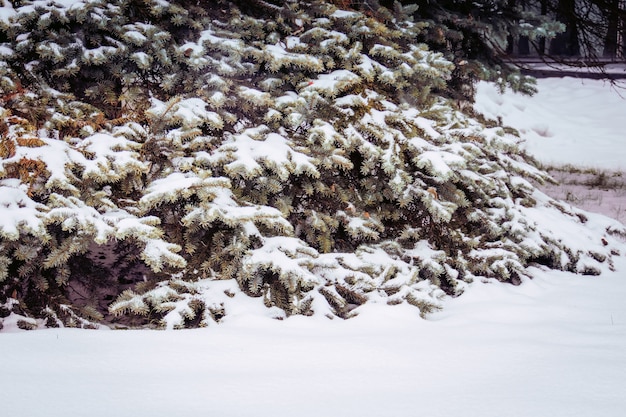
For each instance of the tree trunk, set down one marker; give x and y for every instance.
(622, 14)
(612, 30)
(542, 41)
(510, 40)
(566, 44)
(523, 46)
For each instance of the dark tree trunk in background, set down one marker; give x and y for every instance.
(542, 41)
(623, 22)
(510, 40)
(566, 44)
(523, 46)
(612, 32)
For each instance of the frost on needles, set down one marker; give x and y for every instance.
(162, 163)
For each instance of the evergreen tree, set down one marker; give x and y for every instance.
(160, 161)
(477, 35)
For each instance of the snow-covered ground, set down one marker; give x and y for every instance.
(553, 346)
(569, 121)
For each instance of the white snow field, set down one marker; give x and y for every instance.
(553, 346)
(569, 121)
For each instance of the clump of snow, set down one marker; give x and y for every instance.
(335, 82)
(189, 113)
(249, 149)
(19, 213)
(439, 163)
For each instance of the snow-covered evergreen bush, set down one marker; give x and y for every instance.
(160, 161)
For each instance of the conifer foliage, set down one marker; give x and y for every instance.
(163, 161)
